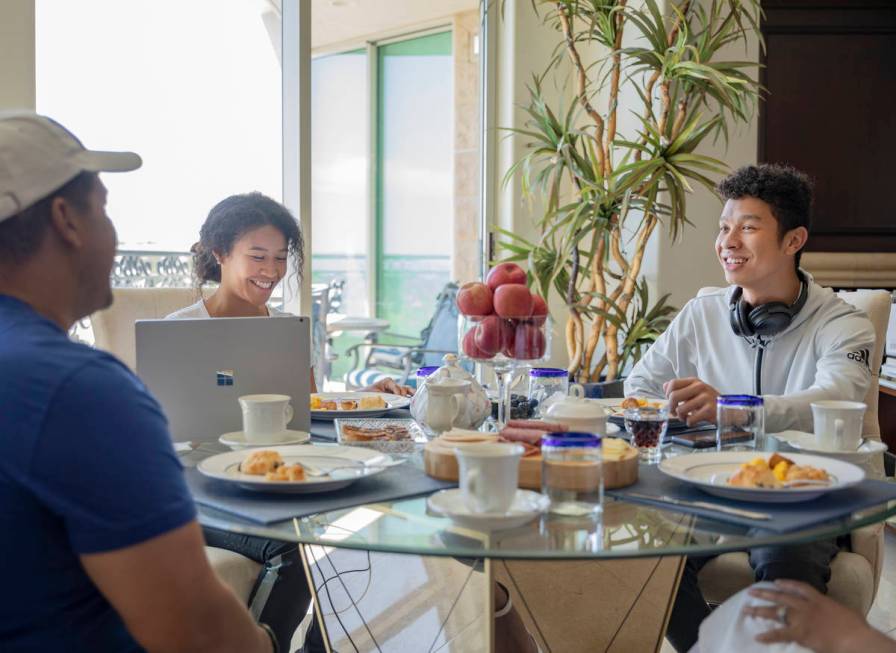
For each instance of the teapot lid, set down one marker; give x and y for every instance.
(575, 407)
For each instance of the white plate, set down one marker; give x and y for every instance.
(526, 506)
(710, 472)
(392, 402)
(237, 440)
(354, 463)
(806, 442)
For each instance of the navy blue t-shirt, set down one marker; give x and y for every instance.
(86, 465)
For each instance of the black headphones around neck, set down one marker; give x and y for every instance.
(766, 319)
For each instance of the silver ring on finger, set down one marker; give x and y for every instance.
(782, 614)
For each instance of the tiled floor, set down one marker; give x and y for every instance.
(883, 612)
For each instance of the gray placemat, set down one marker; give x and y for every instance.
(394, 483)
(786, 517)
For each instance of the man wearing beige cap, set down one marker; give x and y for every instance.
(100, 549)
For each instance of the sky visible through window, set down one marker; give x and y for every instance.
(192, 86)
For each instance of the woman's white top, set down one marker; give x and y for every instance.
(198, 310)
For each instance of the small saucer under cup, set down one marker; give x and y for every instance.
(236, 440)
(526, 506)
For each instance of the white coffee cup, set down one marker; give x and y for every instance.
(838, 424)
(489, 475)
(265, 416)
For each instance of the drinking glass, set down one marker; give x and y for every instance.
(546, 385)
(572, 474)
(740, 422)
(647, 427)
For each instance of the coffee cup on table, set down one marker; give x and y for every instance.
(838, 424)
(488, 474)
(265, 416)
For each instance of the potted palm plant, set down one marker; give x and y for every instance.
(605, 189)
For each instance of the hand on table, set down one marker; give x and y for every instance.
(691, 400)
(389, 386)
(815, 621)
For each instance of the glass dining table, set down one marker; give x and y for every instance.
(395, 576)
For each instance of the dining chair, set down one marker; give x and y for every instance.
(401, 354)
(855, 574)
(113, 330)
(113, 327)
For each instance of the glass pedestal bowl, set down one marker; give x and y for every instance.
(506, 345)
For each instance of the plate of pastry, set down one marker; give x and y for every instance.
(296, 469)
(389, 435)
(330, 405)
(763, 477)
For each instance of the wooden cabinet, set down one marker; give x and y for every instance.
(886, 416)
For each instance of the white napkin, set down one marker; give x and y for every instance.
(728, 629)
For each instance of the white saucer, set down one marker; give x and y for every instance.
(803, 441)
(237, 440)
(526, 506)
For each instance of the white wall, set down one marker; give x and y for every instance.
(17, 54)
(524, 46)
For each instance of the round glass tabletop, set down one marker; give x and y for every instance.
(624, 530)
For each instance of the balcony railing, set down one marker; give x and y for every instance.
(152, 269)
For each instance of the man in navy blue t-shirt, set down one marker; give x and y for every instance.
(99, 545)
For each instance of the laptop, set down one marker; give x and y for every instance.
(198, 369)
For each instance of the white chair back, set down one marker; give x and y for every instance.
(113, 328)
(876, 305)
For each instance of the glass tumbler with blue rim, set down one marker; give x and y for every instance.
(546, 385)
(740, 423)
(572, 474)
(423, 373)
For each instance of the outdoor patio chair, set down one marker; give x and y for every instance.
(396, 359)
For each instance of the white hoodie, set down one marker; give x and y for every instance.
(823, 354)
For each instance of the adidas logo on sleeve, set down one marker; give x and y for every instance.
(862, 356)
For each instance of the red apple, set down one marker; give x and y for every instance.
(528, 342)
(504, 273)
(513, 300)
(475, 298)
(493, 334)
(539, 309)
(470, 348)
(507, 350)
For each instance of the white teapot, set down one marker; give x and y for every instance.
(474, 404)
(579, 414)
(444, 403)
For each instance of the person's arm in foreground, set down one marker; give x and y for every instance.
(815, 621)
(170, 598)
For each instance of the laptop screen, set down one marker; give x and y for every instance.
(198, 368)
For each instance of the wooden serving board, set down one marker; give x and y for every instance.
(439, 462)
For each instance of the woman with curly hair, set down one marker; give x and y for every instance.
(245, 246)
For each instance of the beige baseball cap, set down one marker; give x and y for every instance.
(38, 156)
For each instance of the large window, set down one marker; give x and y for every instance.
(415, 154)
(193, 87)
(395, 160)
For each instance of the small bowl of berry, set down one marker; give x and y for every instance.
(647, 424)
(520, 407)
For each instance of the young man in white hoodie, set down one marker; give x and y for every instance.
(772, 332)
